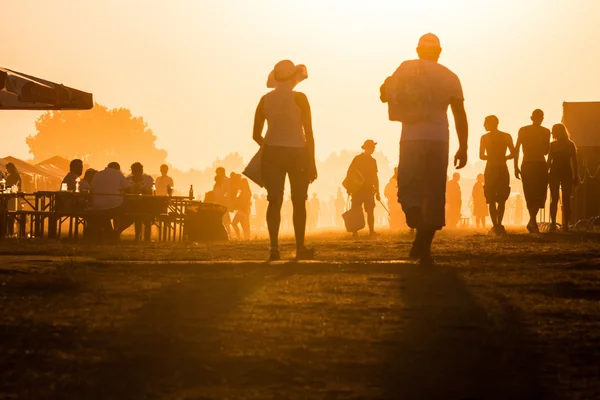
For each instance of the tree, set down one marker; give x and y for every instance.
(97, 136)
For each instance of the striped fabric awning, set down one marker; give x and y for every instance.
(24, 92)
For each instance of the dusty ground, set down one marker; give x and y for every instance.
(511, 318)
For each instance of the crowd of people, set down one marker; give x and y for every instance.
(419, 195)
(418, 94)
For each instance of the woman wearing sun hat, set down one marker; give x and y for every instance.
(288, 150)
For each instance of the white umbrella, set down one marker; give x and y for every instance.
(24, 92)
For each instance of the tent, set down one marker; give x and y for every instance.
(582, 120)
(33, 178)
(20, 91)
(56, 166)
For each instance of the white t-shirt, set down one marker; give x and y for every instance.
(108, 181)
(161, 185)
(425, 89)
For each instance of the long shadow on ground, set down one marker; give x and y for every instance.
(171, 343)
(451, 349)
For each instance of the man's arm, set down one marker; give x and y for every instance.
(516, 157)
(259, 123)
(482, 149)
(462, 131)
(511, 148)
(377, 193)
(306, 114)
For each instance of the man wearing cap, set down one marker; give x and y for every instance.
(418, 95)
(365, 165)
(535, 140)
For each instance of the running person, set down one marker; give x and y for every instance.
(563, 174)
(288, 150)
(493, 148)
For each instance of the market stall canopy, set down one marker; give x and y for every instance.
(26, 168)
(582, 120)
(24, 92)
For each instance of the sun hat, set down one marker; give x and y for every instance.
(368, 144)
(286, 71)
(429, 40)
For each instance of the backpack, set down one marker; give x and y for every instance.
(353, 181)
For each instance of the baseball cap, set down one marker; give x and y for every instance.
(429, 40)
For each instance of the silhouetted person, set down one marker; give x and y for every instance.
(340, 206)
(453, 201)
(108, 188)
(518, 210)
(242, 204)
(141, 183)
(535, 140)
(563, 175)
(394, 207)
(419, 93)
(221, 195)
(85, 184)
(364, 197)
(75, 171)
(314, 207)
(480, 209)
(261, 209)
(493, 148)
(288, 150)
(164, 183)
(13, 178)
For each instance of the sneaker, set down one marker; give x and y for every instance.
(426, 260)
(532, 227)
(275, 255)
(500, 230)
(415, 252)
(305, 254)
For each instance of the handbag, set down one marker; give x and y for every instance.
(354, 219)
(253, 170)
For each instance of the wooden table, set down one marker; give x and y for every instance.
(48, 210)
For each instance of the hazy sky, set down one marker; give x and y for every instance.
(195, 70)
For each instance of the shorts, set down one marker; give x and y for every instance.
(535, 183)
(364, 198)
(279, 162)
(422, 179)
(497, 184)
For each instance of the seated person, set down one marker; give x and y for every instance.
(141, 183)
(108, 188)
(75, 171)
(164, 183)
(86, 182)
(64, 201)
